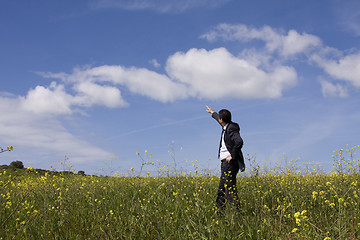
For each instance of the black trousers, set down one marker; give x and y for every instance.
(227, 191)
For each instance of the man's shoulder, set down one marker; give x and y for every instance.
(233, 126)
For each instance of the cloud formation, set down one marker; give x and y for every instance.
(43, 133)
(346, 68)
(155, 63)
(218, 74)
(139, 81)
(286, 45)
(333, 90)
(55, 100)
(197, 73)
(280, 47)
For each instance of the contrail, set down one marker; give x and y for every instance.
(157, 126)
(179, 121)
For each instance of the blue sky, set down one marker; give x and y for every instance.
(99, 80)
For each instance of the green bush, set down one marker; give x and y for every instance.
(17, 164)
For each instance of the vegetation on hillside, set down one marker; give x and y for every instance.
(277, 202)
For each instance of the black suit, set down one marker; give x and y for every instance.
(227, 186)
(233, 142)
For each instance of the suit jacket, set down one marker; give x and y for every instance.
(233, 142)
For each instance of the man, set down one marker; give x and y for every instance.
(231, 158)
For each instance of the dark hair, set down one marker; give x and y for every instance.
(225, 115)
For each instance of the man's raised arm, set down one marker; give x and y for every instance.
(214, 114)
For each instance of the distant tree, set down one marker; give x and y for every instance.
(81, 173)
(17, 164)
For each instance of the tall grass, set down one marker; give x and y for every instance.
(280, 202)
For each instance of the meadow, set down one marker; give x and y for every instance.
(285, 201)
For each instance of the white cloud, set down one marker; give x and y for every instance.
(40, 133)
(95, 94)
(333, 90)
(280, 47)
(218, 74)
(286, 45)
(50, 100)
(346, 68)
(157, 5)
(295, 43)
(198, 73)
(55, 100)
(155, 63)
(255, 57)
(137, 80)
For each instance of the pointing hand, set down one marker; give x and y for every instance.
(209, 110)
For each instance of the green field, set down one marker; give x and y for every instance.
(289, 202)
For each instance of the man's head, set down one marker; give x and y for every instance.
(225, 116)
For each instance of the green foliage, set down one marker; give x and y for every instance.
(17, 164)
(70, 206)
(276, 203)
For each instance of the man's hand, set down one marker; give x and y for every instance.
(209, 110)
(228, 159)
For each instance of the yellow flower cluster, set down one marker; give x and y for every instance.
(9, 148)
